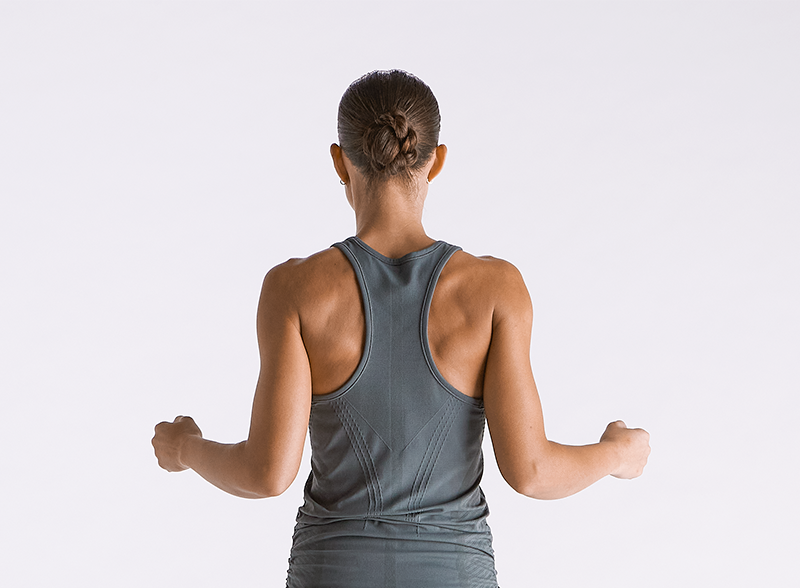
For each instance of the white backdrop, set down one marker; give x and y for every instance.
(637, 161)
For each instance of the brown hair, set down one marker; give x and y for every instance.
(388, 124)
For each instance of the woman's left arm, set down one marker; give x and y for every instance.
(267, 462)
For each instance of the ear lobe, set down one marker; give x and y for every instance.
(439, 155)
(338, 163)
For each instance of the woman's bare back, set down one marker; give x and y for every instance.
(332, 319)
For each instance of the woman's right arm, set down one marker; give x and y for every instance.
(529, 462)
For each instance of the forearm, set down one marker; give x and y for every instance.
(563, 470)
(224, 465)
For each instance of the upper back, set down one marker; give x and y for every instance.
(395, 438)
(333, 326)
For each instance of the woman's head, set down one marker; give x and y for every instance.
(388, 125)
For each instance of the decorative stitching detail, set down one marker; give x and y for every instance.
(361, 451)
(352, 408)
(450, 416)
(432, 453)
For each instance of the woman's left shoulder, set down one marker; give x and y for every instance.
(309, 281)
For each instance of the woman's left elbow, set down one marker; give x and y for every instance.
(271, 485)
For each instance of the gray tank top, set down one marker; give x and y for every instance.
(393, 498)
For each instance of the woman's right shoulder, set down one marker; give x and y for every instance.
(490, 280)
(497, 276)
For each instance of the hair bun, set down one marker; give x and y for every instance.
(388, 125)
(390, 144)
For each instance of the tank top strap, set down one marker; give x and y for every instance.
(396, 294)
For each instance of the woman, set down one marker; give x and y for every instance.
(392, 348)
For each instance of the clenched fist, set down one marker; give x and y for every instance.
(169, 439)
(633, 447)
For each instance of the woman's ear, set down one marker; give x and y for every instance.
(338, 163)
(439, 155)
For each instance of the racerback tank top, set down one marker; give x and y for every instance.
(393, 497)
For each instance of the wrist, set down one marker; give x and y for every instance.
(614, 451)
(187, 449)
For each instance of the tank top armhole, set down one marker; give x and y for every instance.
(423, 327)
(344, 247)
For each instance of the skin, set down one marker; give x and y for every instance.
(310, 326)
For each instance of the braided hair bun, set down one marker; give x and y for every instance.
(388, 124)
(389, 144)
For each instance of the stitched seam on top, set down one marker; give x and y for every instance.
(339, 408)
(423, 466)
(361, 450)
(446, 431)
(373, 471)
(431, 457)
(368, 465)
(417, 478)
(352, 408)
(376, 487)
(422, 428)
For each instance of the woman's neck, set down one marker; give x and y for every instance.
(389, 219)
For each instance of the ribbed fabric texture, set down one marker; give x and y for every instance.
(393, 498)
